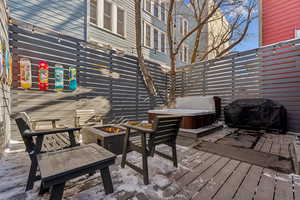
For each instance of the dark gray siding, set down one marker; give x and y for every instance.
(67, 16)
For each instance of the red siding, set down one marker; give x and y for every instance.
(280, 19)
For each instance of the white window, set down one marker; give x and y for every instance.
(297, 34)
(185, 27)
(147, 35)
(163, 43)
(120, 21)
(155, 9)
(148, 5)
(180, 54)
(94, 11)
(163, 11)
(107, 15)
(185, 54)
(155, 39)
(181, 25)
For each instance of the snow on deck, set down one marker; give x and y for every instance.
(14, 168)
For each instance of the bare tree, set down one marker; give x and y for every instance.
(232, 25)
(143, 67)
(239, 14)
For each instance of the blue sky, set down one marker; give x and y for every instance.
(252, 40)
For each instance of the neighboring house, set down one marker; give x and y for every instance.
(67, 16)
(216, 29)
(279, 21)
(112, 23)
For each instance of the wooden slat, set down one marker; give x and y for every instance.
(266, 187)
(232, 184)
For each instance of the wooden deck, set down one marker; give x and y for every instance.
(200, 176)
(219, 177)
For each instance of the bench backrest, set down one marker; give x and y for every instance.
(23, 123)
(166, 129)
(82, 116)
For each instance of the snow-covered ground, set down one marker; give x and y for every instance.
(128, 184)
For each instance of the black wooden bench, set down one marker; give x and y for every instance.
(60, 166)
(34, 142)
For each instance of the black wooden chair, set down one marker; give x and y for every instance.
(35, 145)
(164, 131)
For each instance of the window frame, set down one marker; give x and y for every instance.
(181, 25)
(165, 42)
(185, 53)
(124, 21)
(185, 28)
(97, 12)
(157, 31)
(145, 6)
(163, 11)
(297, 33)
(145, 35)
(112, 16)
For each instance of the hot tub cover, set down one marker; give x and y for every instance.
(256, 114)
(181, 112)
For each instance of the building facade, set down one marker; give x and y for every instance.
(111, 23)
(279, 21)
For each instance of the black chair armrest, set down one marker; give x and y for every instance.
(48, 132)
(144, 130)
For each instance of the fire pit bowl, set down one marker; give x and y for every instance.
(110, 137)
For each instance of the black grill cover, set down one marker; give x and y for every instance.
(256, 114)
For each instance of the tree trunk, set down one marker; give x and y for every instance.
(172, 95)
(196, 46)
(143, 67)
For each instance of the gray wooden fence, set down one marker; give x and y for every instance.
(4, 87)
(113, 81)
(271, 72)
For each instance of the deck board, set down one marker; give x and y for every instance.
(220, 178)
(209, 191)
(207, 176)
(284, 187)
(232, 184)
(266, 187)
(247, 189)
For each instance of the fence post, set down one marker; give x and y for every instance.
(111, 81)
(137, 95)
(182, 82)
(204, 79)
(233, 80)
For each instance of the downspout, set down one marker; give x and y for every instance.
(260, 6)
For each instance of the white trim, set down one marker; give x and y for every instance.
(165, 42)
(158, 42)
(145, 41)
(297, 33)
(100, 17)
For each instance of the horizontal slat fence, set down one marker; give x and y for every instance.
(112, 82)
(271, 72)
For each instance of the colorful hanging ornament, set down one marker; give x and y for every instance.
(59, 77)
(25, 73)
(1, 58)
(73, 79)
(7, 65)
(10, 73)
(43, 75)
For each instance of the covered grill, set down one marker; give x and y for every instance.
(256, 114)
